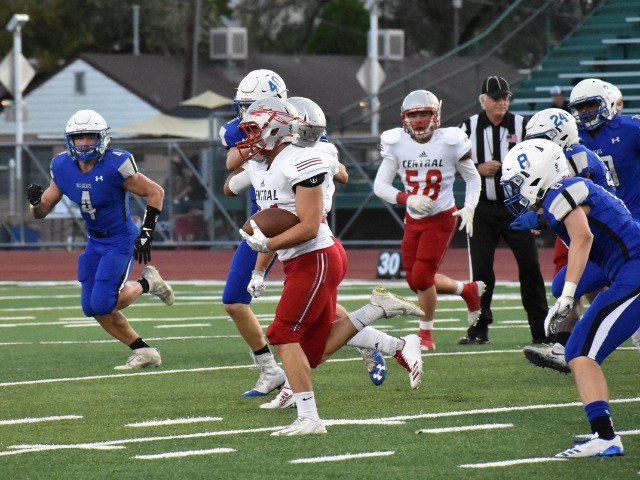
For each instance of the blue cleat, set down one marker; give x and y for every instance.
(375, 363)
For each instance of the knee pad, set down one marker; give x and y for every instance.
(103, 299)
(423, 275)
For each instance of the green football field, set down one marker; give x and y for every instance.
(481, 411)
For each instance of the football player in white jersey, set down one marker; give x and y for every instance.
(427, 158)
(303, 331)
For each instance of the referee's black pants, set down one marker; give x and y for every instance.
(491, 222)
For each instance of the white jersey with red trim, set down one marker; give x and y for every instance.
(274, 188)
(334, 165)
(424, 168)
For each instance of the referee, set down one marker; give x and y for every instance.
(493, 132)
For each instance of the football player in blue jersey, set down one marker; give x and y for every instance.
(596, 226)
(560, 127)
(614, 137)
(254, 86)
(99, 180)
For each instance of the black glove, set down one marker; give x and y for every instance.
(34, 194)
(142, 246)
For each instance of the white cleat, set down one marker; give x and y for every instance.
(157, 286)
(548, 357)
(284, 399)
(410, 357)
(302, 426)
(271, 377)
(142, 358)
(596, 447)
(394, 305)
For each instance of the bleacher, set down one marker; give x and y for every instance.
(605, 45)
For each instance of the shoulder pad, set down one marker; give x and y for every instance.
(452, 135)
(391, 136)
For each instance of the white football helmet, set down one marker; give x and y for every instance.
(593, 90)
(554, 124)
(312, 120)
(617, 94)
(528, 171)
(81, 123)
(267, 124)
(420, 101)
(256, 85)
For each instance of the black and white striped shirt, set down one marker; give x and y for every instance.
(484, 136)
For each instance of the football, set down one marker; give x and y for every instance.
(272, 221)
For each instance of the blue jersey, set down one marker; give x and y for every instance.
(587, 164)
(230, 135)
(103, 201)
(616, 236)
(617, 143)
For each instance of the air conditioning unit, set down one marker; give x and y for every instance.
(228, 43)
(391, 44)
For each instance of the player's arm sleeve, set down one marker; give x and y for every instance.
(237, 183)
(383, 183)
(473, 184)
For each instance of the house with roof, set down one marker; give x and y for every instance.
(128, 88)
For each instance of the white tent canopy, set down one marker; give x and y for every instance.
(163, 125)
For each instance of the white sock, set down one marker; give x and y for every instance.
(424, 325)
(366, 315)
(306, 403)
(459, 287)
(369, 337)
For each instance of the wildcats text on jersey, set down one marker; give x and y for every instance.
(267, 195)
(83, 186)
(426, 162)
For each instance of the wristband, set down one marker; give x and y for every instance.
(151, 215)
(569, 289)
(401, 198)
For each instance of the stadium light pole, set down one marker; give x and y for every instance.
(15, 26)
(372, 6)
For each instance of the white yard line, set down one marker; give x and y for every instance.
(187, 453)
(486, 426)
(174, 421)
(18, 421)
(346, 456)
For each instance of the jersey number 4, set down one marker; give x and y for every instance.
(86, 205)
(431, 183)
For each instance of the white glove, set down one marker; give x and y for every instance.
(466, 219)
(256, 286)
(257, 241)
(557, 313)
(420, 203)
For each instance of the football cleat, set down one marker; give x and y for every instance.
(394, 305)
(596, 447)
(426, 340)
(157, 286)
(375, 363)
(271, 377)
(409, 357)
(551, 356)
(142, 358)
(284, 399)
(471, 294)
(302, 426)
